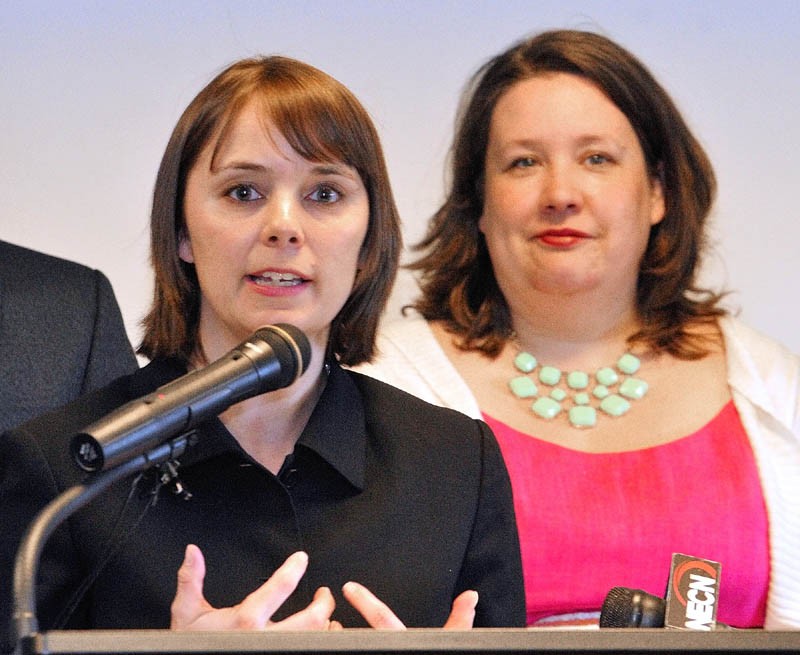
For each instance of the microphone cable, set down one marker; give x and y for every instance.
(119, 534)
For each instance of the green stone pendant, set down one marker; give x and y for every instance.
(549, 375)
(582, 416)
(523, 387)
(615, 405)
(633, 388)
(577, 380)
(607, 376)
(546, 408)
(525, 362)
(610, 389)
(629, 364)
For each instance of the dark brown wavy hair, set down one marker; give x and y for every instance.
(456, 277)
(323, 121)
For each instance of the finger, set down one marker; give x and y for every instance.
(314, 617)
(463, 613)
(377, 613)
(335, 626)
(257, 608)
(189, 601)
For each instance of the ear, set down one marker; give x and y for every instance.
(185, 248)
(658, 205)
(361, 263)
(482, 223)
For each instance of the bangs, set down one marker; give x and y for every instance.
(319, 126)
(322, 121)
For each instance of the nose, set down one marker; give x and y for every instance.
(560, 193)
(281, 223)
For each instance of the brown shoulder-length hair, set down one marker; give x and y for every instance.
(323, 121)
(456, 277)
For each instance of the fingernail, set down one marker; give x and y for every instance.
(298, 560)
(187, 555)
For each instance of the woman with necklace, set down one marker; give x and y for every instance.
(636, 417)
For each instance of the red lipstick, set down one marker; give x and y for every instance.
(561, 238)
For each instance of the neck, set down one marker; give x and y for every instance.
(268, 426)
(571, 329)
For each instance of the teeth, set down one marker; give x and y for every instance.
(272, 278)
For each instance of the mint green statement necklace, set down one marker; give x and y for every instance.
(610, 389)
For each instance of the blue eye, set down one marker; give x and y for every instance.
(523, 162)
(325, 194)
(244, 193)
(597, 159)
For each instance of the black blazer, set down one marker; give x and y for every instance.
(410, 499)
(61, 333)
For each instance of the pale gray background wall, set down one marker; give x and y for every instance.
(91, 91)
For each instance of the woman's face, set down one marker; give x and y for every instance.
(274, 237)
(568, 200)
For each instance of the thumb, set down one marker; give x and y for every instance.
(463, 613)
(189, 601)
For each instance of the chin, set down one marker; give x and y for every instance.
(568, 282)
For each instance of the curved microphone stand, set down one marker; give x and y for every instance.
(26, 564)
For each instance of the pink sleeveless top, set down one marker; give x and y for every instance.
(589, 522)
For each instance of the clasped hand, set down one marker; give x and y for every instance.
(191, 611)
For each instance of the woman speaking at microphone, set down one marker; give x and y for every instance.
(335, 501)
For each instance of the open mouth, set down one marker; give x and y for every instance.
(275, 279)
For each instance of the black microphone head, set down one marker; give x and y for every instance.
(274, 357)
(280, 352)
(631, 608)
(298, 340)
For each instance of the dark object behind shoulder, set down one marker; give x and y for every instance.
(61, 333)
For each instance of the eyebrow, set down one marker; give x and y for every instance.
(334, 169)
(320, 169)
(591, 139)
(581, 141)
(239, 166)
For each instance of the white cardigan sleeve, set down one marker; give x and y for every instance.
(764, 378)
(410, 358)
